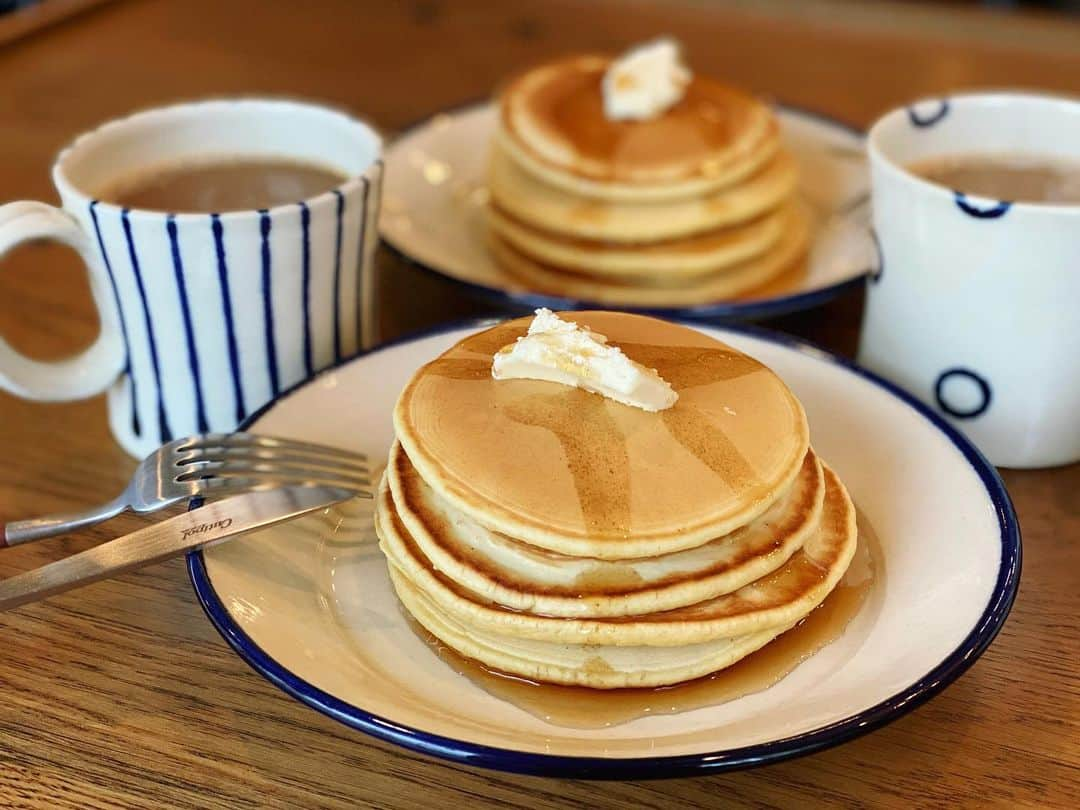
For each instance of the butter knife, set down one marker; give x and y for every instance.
(212, 523)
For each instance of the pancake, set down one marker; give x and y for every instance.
(658, 263)
(557, 535)
(772, 603)
(693, 205)
(755, 157)
(581, 475)
(503, 570)
(593, 667)
(550, 209)
(556, 113)
(699, 291)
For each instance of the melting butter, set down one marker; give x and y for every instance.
(560, 351)
(645, 81)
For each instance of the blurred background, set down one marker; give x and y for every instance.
(50, 10)
(66, 65)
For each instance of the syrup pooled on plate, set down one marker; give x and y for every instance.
(580, 707)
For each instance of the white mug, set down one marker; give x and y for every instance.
(206, 317)
(975, 307)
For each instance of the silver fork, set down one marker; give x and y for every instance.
(210, 465)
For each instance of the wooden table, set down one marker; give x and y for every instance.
(124, 695)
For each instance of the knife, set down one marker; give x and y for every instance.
(200, 527)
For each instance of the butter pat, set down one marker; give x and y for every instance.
(645, 81)
(560, 351)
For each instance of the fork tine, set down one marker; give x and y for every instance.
(221, 487)
(251, 440)
(271, 472)
(202, 469)
(271, 455)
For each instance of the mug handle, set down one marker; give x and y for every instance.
(84, 374)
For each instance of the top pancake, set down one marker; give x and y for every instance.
(556, 112)
(582, 475)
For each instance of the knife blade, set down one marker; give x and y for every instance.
(212, 523)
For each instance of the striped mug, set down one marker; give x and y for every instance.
(205, 317)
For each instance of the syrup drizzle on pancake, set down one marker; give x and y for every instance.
(611, 579)
(710, 445)
(455, 368)
(690, 366)
(485, 344)
(594, 446)
(708, 118)
(491, 340)
(611, 475)
(580, 707)
(590, 438)
(595, 450)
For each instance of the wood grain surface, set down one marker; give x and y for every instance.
(28, 19)
(123, 695)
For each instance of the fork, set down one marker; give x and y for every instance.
(209, 465)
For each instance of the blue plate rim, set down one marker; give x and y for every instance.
(720, 311)
(636, 768)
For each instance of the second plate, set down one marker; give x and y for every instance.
(434, 196)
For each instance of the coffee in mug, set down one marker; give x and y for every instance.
(222, 183)
(1015, 177)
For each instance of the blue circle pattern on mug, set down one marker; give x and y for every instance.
(971, 412)
(994, 211)
(923, 121)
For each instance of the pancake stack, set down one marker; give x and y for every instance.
(557, 535)
(694, 205)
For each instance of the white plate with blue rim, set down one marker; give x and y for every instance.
(434, 199)
(309, 604)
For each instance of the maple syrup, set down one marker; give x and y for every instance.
(580, 707)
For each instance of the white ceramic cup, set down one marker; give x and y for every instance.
(206, 317)
(976, 305)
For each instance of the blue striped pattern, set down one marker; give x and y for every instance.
(268, 302)
(196, 335)
(164, 433)
(360, 258)
(189, 331)
(227, 307)
(337, 275)
(136, 427)
(305, 229)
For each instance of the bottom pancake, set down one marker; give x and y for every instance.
(594, 666)
(736, 280)
(675, 262)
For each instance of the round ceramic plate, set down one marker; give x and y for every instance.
(309, 604)
(434, 197)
